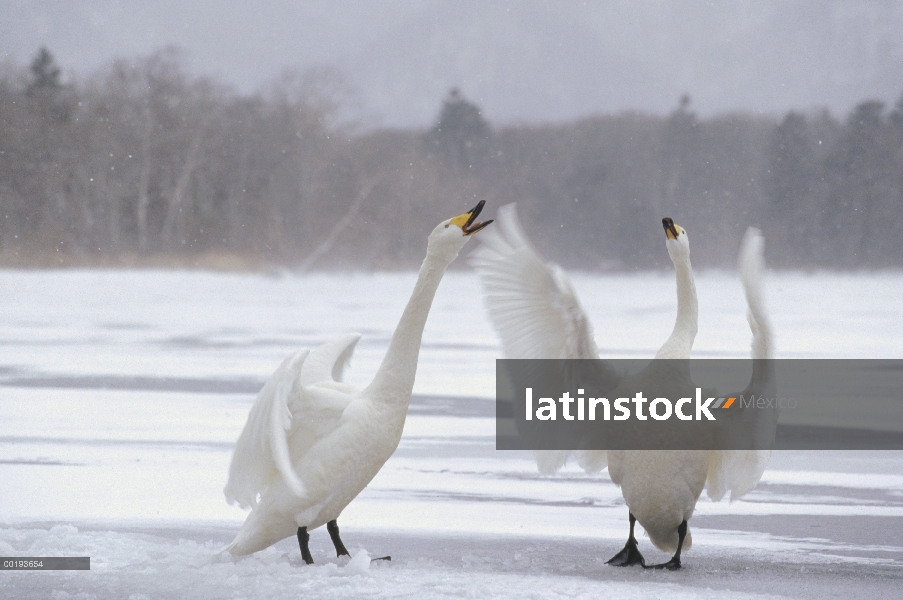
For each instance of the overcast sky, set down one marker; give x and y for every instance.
(524, 61)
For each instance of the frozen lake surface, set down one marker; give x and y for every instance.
(122, 393)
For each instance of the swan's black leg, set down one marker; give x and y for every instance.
(303, 539)
(333, 528)
(630, 555)
(674, 563)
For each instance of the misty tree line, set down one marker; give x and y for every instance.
(143, 161)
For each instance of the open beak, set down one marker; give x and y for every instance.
(468, 221)
(670, 229)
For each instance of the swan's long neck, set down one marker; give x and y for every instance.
(680, 343)
(395, 378)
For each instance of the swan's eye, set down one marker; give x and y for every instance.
(447, 224)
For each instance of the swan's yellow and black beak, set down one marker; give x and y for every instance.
(468, 223)
(671, 230)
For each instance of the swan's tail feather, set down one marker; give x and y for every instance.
(666, 538)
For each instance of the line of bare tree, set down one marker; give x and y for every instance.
(143, 161)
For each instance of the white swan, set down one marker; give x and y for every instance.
(661, 487)
(311, 442)
(537, 315)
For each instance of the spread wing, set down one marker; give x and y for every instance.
(327, 362)
(262, 447)
(302, 402)
(534, 310)
(738, 471)
(531, 304)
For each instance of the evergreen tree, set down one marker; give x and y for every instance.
(896, 115)
(680, 149)
(858, 171)
(461, 133)
(45, 73)
(53, 98)
(789, 164)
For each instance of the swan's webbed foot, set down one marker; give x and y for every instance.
(671, 565)
(674, 563)
(303, 539)
(333, 528)
(381, 558)
(629, 555)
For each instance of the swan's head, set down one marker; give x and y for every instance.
(450, 236)
(677, 242)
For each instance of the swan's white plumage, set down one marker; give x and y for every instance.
(254, 461)
(312, 442)
(532, 305)
(751, 264)
(739, 471)
(328, 362)
(537, 315)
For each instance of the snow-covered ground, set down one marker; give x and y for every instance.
(121, 394)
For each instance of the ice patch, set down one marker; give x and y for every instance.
(146, 566)
(359, 563)
(158, 454)
(876, 481)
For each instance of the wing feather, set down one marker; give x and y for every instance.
(739, 471)
(327, 362)
(532, 305)
(262, 448)
(302, 401)
(534, 310)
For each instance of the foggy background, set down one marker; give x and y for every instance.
(322, 135)
(288, 137)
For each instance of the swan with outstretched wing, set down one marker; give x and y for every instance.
(312, 443)
(536, 313)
